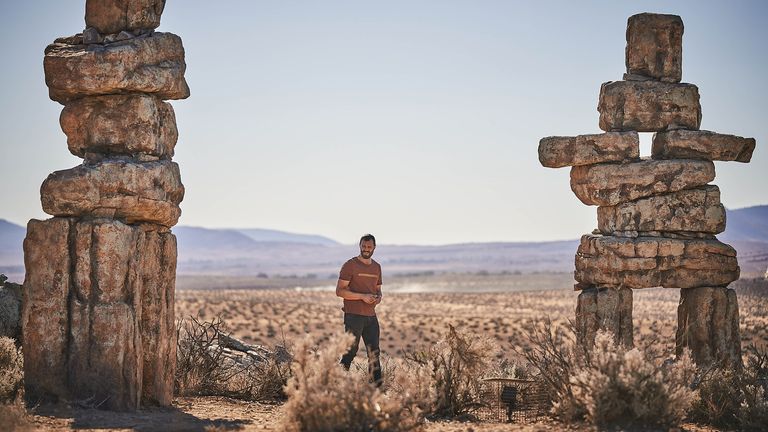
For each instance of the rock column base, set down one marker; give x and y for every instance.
(98, 314)
(607, 309)
(708, 325)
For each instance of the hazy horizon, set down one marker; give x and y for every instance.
(417, 121)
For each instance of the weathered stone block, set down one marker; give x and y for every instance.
(689, 212)
(647, 262)
(559, 151)
(608, 309)
(120, 124)
(158, 326)
(151, 64)
(114, 339)
(134, 192)
(687, 144)
(655, 47)
(708, 325)
(105, 354)
(44, 314)
(648, 106)
(611, 184)
(112, 16)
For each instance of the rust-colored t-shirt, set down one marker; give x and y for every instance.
(363, 278)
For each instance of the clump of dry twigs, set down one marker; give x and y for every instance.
(210, 362)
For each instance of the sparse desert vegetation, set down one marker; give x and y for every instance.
(414, 323)
(413, 320)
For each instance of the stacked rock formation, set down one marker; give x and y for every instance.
(98, 315)
(658, 217)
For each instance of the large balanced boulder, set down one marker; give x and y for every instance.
(112, 16)
(89, 285)
(648, 106)
(122, 189)
(647, 262)
(708, 326)
(688, 144)
(654, 47)
(611, 184)
(608, 309)
(561, 151)
(151, 64)
(689, 212)
(120, 124)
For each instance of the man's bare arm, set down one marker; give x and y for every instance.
(343, 291)
(378, 294)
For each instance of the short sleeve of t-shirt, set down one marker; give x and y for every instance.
(346, 272)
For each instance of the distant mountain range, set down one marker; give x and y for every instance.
(238, 252)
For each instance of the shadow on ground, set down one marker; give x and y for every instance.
(55, 416)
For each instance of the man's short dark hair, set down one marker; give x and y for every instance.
(368, 237)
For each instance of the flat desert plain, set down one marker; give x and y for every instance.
(409, 320)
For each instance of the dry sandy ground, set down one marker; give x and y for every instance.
(222, 414)
(408, 321)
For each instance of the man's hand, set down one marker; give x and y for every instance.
(370, 298)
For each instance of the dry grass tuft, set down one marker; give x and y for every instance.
(11, 370)
(322, 396)
(734, 399)
(448, 374)
(13, 416)
(622, 387)
(609, 385)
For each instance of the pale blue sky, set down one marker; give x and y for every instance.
(418, 121)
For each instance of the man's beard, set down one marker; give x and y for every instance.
(366, 255)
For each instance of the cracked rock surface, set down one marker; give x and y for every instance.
(689, 212)
(612, 184)
(121, 189)
(99, 310)
(647, 262)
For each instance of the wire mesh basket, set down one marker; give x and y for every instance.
(512, 400)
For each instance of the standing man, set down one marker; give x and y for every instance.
(360, 286)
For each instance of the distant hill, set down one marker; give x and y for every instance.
(746, 224)
(190, 238)
(11, 240)
(267, 235)
(255, 250)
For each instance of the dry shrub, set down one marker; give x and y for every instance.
(204, 368)
(609, 385)
(322, 396)
(447, 376)
(13, 416)
(11, 370)
(734, 399)
(621, 387)
(10, 308)
(554, 353)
